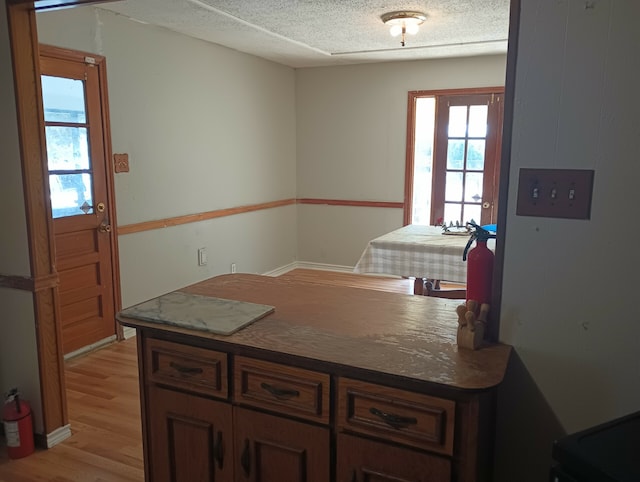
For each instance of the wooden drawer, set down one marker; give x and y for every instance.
(399, 415)
(186, 367)
(284, 389)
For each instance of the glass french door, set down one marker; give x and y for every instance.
(466, 163)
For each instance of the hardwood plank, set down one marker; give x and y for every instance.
(339, 278)
(104, 412)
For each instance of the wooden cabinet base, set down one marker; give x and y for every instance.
(192, 438)
(274, 449)
(318, 391)
(361, 460)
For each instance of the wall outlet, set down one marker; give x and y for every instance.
(233, 267)
(202, 256)
(555, 193)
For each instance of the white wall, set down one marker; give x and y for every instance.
(205, 128)
(351, 123)
(567, 282)
(18, 353)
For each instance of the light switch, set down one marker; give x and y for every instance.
(555, 193)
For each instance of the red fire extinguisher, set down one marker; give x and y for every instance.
(479, 266)
(18, 426)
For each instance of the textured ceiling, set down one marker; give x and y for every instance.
(305, 33)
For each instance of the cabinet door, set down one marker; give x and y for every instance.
(190, 438)
(361, 460)
(275, 449)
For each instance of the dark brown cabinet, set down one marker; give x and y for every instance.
(274, 449)
(362, 460)
(282, 423)
(191, 438)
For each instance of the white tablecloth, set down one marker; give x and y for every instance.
(417, 251)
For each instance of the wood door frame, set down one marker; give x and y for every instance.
(25, 56)
(411, 139)
(24, 50)
(101, 67)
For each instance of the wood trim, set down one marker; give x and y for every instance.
(342, 202)
(24, 283)
(54, 4)
(194, 218)
(27, 283)
(493, 331)
(25, 59)
(68, 54)
(410, 158)
(111, 193)
(462, 91)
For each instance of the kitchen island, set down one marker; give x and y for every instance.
(336, 383)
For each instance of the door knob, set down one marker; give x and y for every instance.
(486, 205)
(104, 228)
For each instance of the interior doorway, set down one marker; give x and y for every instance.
(82, 206)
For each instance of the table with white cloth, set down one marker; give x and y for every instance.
(421, 252)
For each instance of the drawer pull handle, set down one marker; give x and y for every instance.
(185, 370)
(245, 459)
(219, 451)
(395, 421)
(280, 393)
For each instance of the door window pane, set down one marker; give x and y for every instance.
(473, 187)
(478, 120)
(472, 212)
(423, 159)
(455, 154)
(453, 188)
(457, 121)
(67, 148)
(475, 154)
(70, 194)
(63, 99)
(452, 213)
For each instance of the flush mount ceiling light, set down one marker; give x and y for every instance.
(403, 22)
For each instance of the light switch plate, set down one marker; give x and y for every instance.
(555, 193)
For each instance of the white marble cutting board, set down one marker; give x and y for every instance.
(197, 312)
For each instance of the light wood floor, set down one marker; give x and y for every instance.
(104, 409)
(104, 412)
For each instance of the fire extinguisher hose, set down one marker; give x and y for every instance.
(480, 234)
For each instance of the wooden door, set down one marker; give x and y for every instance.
(77, 140)
(467, 158)
(362, 460)
(189, 437)
(275, 449)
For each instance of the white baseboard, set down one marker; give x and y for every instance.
(128, 332)
(308, 265)
(324, 267)
(58, 435)
(88, 348)
(282, 269)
